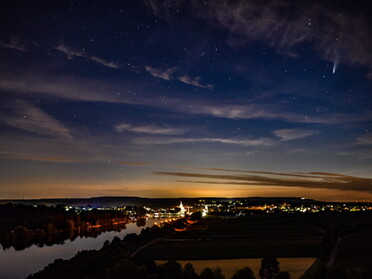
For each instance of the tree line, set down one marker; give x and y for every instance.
(25, 225)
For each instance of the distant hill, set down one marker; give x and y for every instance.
(137, 201)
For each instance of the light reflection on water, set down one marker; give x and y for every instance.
(19, 264)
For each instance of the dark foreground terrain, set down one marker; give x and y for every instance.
(254, 236)
(341, 242)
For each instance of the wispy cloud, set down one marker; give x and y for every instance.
(242, 142)
(71, 53)
(335, 33)
(30, 118)
(264, 111)
(149, 129)
(166, 73)
(363, 154)
(105, 63)
(43, 159)
(18, 145)
(365, 139)
(325, 181)
(90, 90)
(67, 87)
(294, 134)
(195, 81)
(175, 73)
(14, 44)
(137, 164)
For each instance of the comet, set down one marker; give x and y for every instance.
(335, 63)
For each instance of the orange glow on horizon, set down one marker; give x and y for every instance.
(48, 188)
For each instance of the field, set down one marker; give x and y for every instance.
(254, 236)
(233, 243)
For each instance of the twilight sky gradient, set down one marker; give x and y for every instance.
(186, 98)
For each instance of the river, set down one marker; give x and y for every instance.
(19, 264)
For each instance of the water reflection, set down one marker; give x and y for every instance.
(22, 240)
(18, 264)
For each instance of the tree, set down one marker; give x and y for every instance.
(284, 275)
(269, 268)
(126, 269)
(245, 273)
(171, 270)
(218, 274)
(208, 273)
(141, 211)
(141, 222)
(189, 271)
(196, 216)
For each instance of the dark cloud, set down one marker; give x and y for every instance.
(217, 182)
(309, 175)
(322, 181)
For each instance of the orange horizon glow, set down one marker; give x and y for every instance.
(168, 190)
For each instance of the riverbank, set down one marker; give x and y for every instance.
(19, 264)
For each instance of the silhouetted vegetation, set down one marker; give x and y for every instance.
(245, 273)
(84, 265)
(269, 268)
(115, 260)
(24, 225)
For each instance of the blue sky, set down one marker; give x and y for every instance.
(197, 98)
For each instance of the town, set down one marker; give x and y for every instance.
(232, 207)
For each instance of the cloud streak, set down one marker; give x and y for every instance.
(42, 159)
(71, 54)
(14, 44)
(90, 90)
(242, 142)
(294, 134)
(72, 88)
(174, 73)
(325, 181)
(365, 139)
(136, 164)
(166, 74)
(149, 129)
(195, 81)
(263, 111)
(30, 118)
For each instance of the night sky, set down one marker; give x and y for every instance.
(186, 99)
